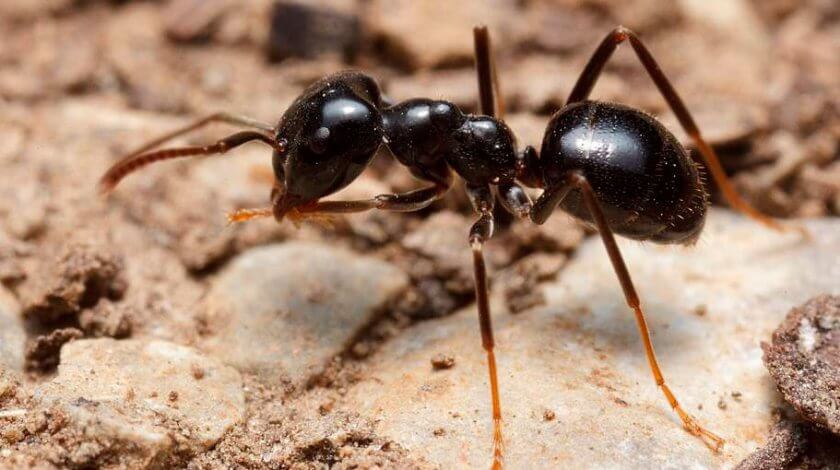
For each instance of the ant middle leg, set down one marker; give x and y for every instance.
(578, 181)
(589, 77)
(482, 201)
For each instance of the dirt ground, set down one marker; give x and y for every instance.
(83, 82)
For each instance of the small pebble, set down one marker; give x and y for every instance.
(549, 415)
(442, 361)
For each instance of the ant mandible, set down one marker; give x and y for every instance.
(610, 165)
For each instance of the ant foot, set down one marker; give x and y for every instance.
(712, 440)
(498, 445)
(244, 215)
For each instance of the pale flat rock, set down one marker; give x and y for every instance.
(576, 388)
(12, 334)
(160, 397)
(283, 311)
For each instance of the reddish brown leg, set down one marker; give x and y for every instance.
(295, 215)
(579, 181)
(490, 97)
(244, 215)
(481, 198)
(515, 200)
(590, 75)
(134, 162)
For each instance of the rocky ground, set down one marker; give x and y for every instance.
(139, 331)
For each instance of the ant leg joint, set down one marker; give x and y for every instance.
(621, 33)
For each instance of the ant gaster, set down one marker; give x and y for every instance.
(610, 165)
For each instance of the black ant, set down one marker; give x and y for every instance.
(607, 164)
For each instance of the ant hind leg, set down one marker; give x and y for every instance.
(579, 181)
(589, 77)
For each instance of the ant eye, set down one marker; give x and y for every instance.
(320, 138)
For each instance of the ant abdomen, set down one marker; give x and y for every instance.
(647, 184)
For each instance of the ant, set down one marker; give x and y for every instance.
(607, 164)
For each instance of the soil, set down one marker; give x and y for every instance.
(804, 360)
(83, 82)
(794, 444)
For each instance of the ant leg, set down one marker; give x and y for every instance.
(514, 199)
(403, 202)
(548, 200)
(490, 97)
(580, 182)
(481, 198)
(593, 69)
(320, 210)
(227, 118)
(244, 215)
(132, 163)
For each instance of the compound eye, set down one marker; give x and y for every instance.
(320, 139)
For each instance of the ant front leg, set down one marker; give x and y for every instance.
(589, 77)
(481, 198)
(402, 202)
(542, 208)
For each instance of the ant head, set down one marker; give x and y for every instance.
(328, 136)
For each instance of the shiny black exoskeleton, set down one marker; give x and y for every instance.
(330, 134)
(647, 185)
(333, 130)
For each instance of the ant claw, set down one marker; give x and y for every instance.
(244, 215)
